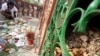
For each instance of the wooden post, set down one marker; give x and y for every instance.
(45, 20)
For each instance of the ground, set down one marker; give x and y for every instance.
(25, 52)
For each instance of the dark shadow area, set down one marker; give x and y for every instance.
(69, 35)
(73, 19)
(83, 3)
(99, 7)
(94, 23)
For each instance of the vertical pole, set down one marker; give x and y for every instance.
(46, 20)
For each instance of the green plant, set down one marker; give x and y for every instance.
(7, 48)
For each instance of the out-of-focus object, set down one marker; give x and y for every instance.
(2, 44)
(26, 8)
(30, 37)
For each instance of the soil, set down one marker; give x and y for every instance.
(87, 44)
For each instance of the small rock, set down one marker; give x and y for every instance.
(84, 38)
